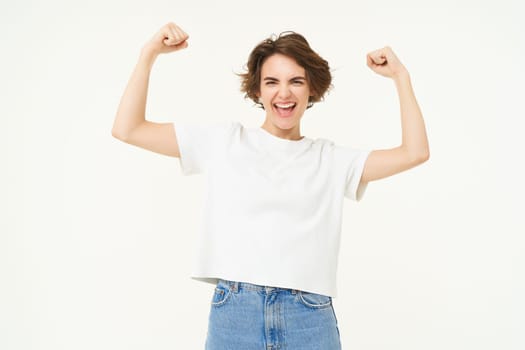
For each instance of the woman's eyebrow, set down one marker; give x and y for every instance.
(294, 78)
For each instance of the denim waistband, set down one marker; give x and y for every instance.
(236, 286)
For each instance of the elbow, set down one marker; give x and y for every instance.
(421, 157)
(118, 134)
(123, 131)
(418, 157)
(115, 133)
(426, 156)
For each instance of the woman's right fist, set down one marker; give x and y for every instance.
(168, 39)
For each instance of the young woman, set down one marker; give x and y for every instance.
(270, 241)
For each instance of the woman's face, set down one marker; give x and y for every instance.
(284, 93)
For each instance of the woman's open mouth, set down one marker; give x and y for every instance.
(284, 109)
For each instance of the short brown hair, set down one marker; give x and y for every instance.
(295, 46)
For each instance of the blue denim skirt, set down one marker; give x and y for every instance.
(246, 316)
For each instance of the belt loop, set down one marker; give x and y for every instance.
(235, 287)
(294, 291)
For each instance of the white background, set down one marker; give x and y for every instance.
(97, 236)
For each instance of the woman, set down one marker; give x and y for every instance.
(273, 212)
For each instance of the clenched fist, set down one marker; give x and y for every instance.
(385, 62)
(169, 38)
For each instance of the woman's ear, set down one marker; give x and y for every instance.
(310, 102)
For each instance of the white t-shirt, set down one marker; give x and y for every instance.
(273, 207)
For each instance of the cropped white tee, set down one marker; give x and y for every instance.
(273, 207)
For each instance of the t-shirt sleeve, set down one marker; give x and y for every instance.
(199, 145)
(353, 163)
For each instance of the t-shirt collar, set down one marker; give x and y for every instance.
(275, 142)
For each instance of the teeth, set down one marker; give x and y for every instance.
(288, 105)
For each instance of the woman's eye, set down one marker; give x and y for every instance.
(297, 82)
(270, 82)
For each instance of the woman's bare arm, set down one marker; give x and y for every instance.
(130, 123)
(414, 148)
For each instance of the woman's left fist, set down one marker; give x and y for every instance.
(385, 62)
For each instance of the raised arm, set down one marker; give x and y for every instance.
(414, 148)
(130, 123)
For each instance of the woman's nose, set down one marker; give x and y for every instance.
(284, 91)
